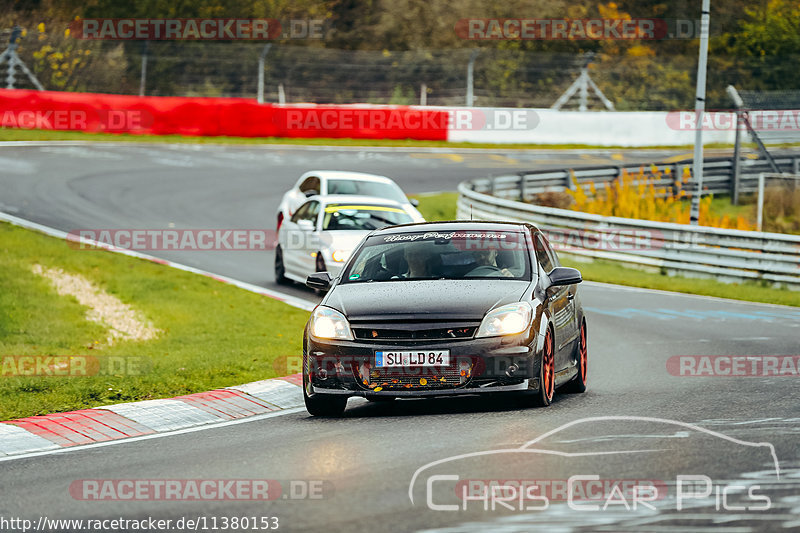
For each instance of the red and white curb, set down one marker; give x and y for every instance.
(124, 420)
(120, 421)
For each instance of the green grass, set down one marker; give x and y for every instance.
(443, 207)
(214, 335)
(18, 134)
(721, 206)
(440, 206)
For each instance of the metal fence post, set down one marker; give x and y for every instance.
(736, 156)
(143, 77)
(568, 180)
(760, 209)
(261, 58)
(521, 187)
(470, 71)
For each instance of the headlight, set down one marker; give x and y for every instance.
(340, 256)
(327, 323)
(506, 320)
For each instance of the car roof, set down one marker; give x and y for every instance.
(456, 226)
(353, 199)
(346, 174)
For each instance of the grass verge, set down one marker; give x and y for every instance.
(443, 207)
(18, 134)
(213, 335)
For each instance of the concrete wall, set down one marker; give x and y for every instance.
(602, 128)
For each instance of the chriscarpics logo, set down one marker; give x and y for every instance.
(611, 470)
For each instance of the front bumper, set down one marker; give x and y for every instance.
(497, 364)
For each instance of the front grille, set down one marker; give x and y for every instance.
(411, 330)
(456, 374)
(420, 334)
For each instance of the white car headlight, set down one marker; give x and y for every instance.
(340, 256)
(506, 320)
(327, 323)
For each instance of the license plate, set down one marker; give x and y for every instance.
(415, 358)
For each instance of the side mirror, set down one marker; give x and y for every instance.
(564, 276)
(414, 202)
(305, 225)
(320, 281)
(311, 192)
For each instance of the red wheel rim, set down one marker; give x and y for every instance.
(583, 351)
(548, 366)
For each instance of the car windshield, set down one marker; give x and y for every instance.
(367, 188)
(441, 255)
(362, 217)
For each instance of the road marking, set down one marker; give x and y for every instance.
(715, 314)
(729, 301)
(679, 157)
(157, 435)
(455, 158)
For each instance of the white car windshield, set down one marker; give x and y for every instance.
(362, 217)
(367, 188)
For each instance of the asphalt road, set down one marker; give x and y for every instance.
(143, 186)
(370, 462)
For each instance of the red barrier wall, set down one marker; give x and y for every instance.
(235, 117)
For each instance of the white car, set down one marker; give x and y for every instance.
(325, 230)
(325, 182)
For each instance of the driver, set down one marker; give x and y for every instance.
(486, 264)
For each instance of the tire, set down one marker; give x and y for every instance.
(327, 405)
(578, 383)
(280, 270)
(544, 396)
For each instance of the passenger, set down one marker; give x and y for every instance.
(486, 264)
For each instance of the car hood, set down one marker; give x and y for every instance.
(431, 299)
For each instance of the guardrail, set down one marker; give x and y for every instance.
(718, 176)
(695, 251)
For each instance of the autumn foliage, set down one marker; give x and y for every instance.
(643, 196)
